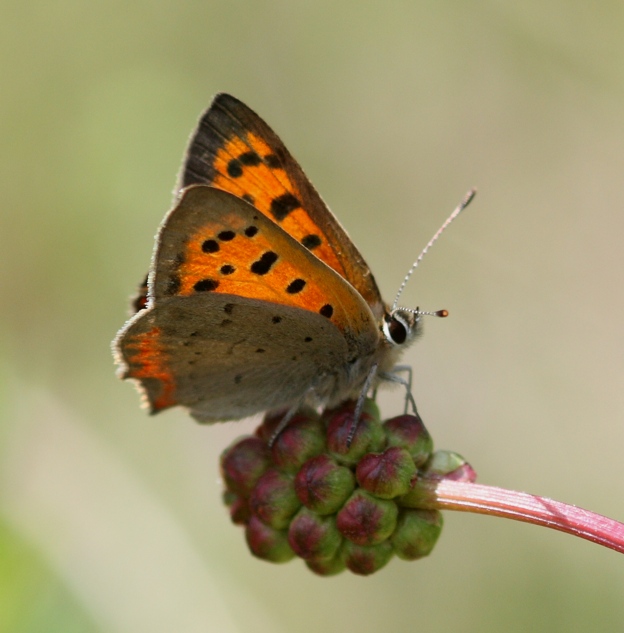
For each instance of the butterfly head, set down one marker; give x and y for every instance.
(401, 326)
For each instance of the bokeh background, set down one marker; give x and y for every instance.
(110, 520)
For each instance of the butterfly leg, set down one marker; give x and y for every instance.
(359, 405)
(391, 376)
(288, 416)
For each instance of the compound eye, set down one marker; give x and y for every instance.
(396, 330)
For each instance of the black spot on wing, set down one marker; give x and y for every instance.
(283, 205)
(210, 246)
(311, 241)
(234, 168)
(263, 265)
(272, 161)
(250, 159)
(206, 285)
(295, 286)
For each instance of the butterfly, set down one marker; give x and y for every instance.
(256, 298)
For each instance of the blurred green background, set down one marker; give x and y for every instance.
(110, 520)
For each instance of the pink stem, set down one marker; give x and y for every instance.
(468, 497)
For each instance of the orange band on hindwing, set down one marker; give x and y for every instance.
(148, 360)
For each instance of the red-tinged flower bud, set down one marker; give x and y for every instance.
(366, 520)
(239, 507)
(273, 500)
(229, 497)
(271, 422)
(269, 425)
(464, 473)
(267, 543)
(408, 431)
(367, 560)
(322, 485)
(328, 567)
(416, 533)
(386, 475)
(441, 465)
(313, 537)
(304, 437)
(369, 435)
(242, 464)
(449, 465)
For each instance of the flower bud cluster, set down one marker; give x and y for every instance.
(334, 505)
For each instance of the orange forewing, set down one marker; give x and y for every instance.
(235, 150)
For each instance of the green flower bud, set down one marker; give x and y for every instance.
(271, 422)
(242, 464)
(416, 533)
(414, 498)
(449, 465)
(322, 485)
(369, 435)
(239, 507)
(441, 465)
(269, 425)
(408, 431)
(267, 543)
(366, 520)
(367, 560)
(386, 475)
(328, 567)
(303, 437)
(273, 500)
(313, 537)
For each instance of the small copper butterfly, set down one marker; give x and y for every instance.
(256, 297)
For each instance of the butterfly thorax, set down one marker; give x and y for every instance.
(397, 330)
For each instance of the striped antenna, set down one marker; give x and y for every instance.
(462, 205)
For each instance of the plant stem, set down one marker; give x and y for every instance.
(446, 494)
